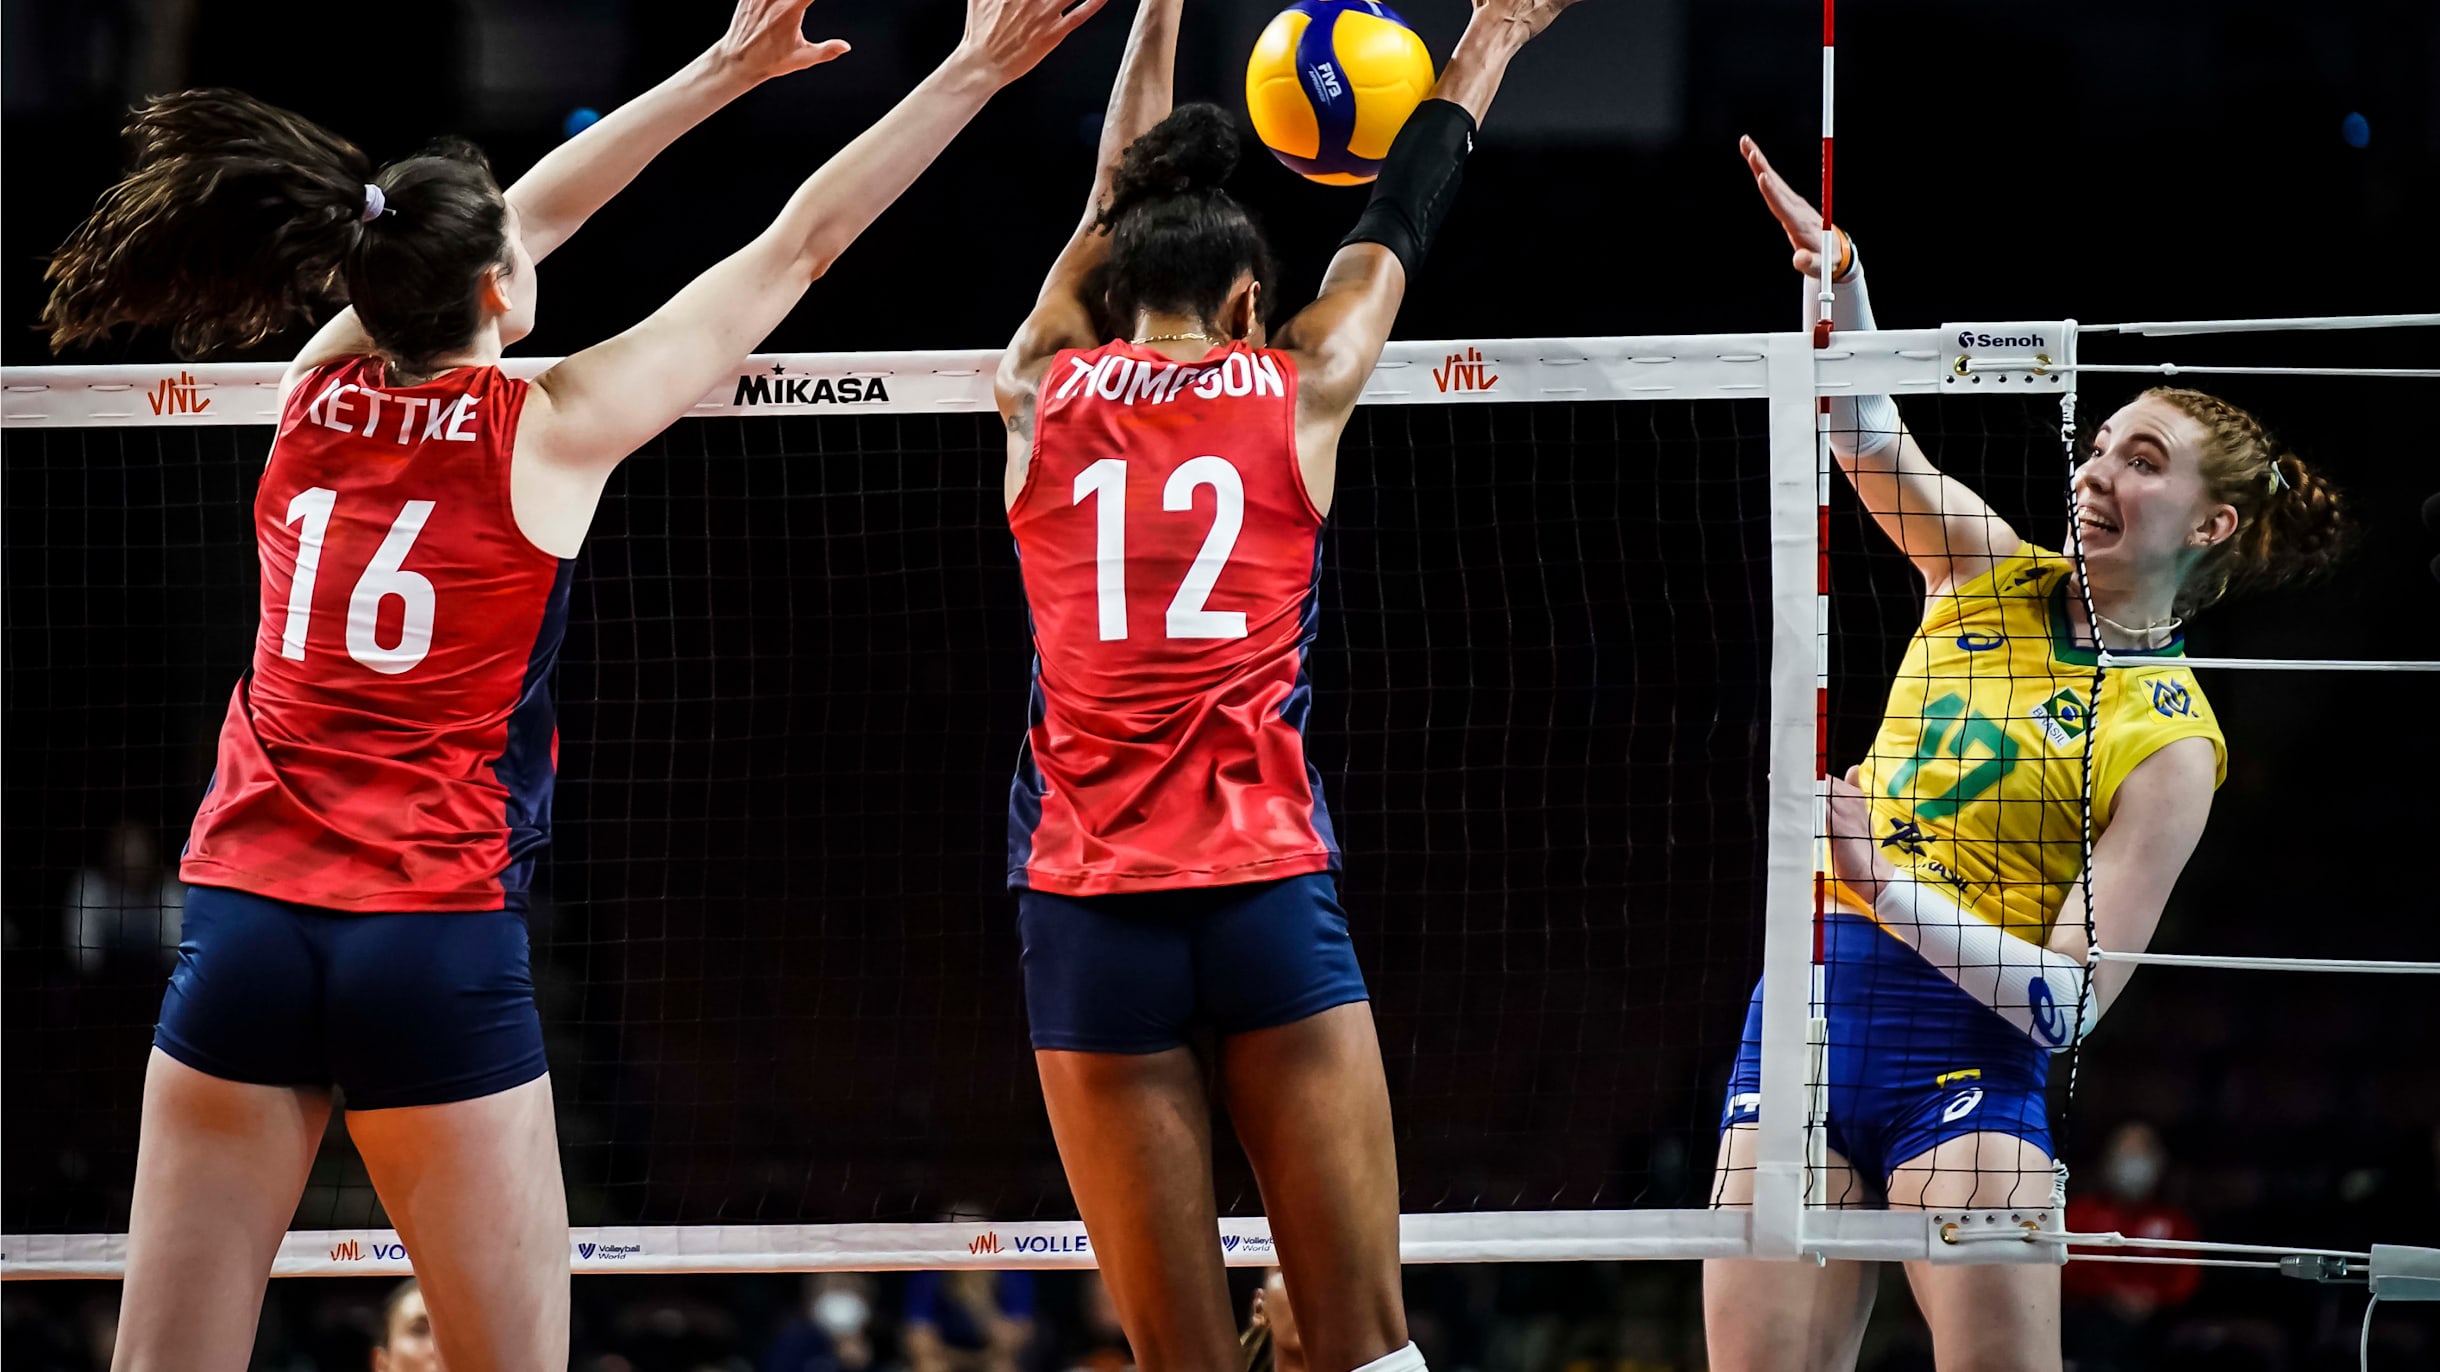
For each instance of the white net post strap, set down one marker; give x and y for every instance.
(1794, 805)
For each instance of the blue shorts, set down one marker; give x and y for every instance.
(1914, 1062)
(1143, 972)
(406, 1009)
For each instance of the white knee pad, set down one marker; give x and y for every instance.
(1407, 1359)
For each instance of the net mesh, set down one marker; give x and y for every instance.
(1972, 743)
(777, 965)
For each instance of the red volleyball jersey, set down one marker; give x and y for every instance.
(1171, 558)
(393, 746)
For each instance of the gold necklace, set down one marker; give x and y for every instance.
(1178, 338)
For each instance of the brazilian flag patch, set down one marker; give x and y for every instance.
(2063, 717)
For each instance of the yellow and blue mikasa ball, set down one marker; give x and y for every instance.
(1330, 84)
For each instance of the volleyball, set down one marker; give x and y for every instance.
(1330, 84)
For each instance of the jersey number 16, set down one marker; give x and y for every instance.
(386, 576)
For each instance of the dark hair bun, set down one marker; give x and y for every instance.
(1194, 149)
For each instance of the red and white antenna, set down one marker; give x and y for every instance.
(1817, 1027)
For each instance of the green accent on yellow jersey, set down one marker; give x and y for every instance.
(1977, 775)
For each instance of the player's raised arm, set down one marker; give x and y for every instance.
(1338, 338)
(1063, 316)
(1939, 522)
(765, 39)
(590, 411)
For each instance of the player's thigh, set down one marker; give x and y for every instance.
(437, 1043)
(1990, 1317)
(219, 1167)
(1732, 1180)
(1986, 1170)
(474, 1188)
(1796, 1315)
(1134, 1135)
(1311, 1105)
(1984, 1317)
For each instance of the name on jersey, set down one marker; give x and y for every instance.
(1129, 381)
(443, 419)
(778, 388)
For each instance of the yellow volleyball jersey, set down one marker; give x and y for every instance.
(1977, 775)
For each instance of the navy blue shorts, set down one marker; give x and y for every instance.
(406, 1009)
(1914, 1061)
(1143, 972)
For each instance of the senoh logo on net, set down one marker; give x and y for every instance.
(1968, 339)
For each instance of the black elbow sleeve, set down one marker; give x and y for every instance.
(1417, 183)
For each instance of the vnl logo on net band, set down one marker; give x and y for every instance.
(990, 1242)
(357, 1250)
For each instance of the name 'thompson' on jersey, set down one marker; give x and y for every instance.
(1171, 556)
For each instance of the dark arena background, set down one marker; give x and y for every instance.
(777, 964)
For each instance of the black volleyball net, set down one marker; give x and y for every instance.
(776, 960)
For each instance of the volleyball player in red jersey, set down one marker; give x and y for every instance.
(359, 864)
(1168, 839)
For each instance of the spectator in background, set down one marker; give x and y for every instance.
(1271, 1342)
(833, 1333)
(1101, 1341)
(131, 906)
(405, 1341)
(2114, 1309)
(969, 1321)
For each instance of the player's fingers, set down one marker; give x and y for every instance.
(1855, 778)
(828, 50)
(1074, 19)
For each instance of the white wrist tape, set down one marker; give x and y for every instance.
(1862, 425)
(2022, 982)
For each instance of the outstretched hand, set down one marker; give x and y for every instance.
(1796, 215)
(766, 38)
(1010, 36)
(1532, 16)
(1854, 857)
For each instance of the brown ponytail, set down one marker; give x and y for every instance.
(238, 219)
(2292, 524)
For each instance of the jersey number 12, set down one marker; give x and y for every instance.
(386, 576)
(1187, 617)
